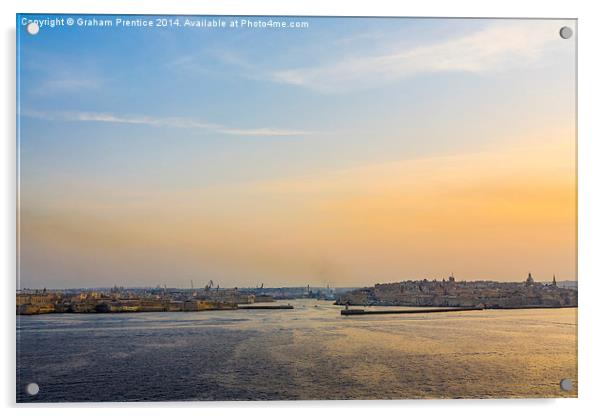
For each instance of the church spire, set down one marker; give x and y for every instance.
(554, 280)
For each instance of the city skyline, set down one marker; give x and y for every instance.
(199, 285)
(352, 152)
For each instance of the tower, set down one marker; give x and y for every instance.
(554, 280)
(529, 281)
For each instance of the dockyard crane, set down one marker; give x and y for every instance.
(208, 286)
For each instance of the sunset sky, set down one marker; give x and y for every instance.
(352, 152)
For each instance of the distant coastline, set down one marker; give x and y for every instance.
(463, 294)
(444, 293)
(123, 300)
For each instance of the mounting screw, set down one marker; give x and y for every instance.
(566, 32)
(566, 384)
(32, 389)
(32, 28)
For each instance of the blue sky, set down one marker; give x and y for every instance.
(151, 111)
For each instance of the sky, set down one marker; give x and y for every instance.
(351, 152)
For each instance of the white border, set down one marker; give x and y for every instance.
(590, 201)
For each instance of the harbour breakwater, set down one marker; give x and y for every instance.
(347, 312)
(404, 311)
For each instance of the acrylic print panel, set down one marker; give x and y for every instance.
(295, 208)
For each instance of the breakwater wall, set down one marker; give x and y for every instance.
(436, 310)
(405, 311)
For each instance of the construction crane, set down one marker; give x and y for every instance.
(208, 286)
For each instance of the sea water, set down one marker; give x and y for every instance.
(310, 352)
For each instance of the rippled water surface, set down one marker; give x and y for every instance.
(311, 352)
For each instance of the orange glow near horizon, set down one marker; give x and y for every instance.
(490, 215)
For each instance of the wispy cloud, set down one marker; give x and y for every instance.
(177, 122)
(55, 73)
(68, 84)
(498, 47)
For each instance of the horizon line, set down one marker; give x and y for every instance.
(290, 287)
